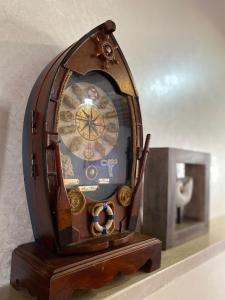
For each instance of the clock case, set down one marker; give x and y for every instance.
(53, 223)
(62, 259)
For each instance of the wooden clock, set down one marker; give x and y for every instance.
(84, 161)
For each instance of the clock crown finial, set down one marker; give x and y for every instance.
(109, 27)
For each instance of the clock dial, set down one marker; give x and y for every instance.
(94, 124)
(84, 120)
(90, 122)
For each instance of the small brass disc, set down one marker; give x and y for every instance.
(124, 195)
(77, 200)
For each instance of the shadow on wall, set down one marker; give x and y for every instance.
(214, 13)
(4, 119)
(24, 52)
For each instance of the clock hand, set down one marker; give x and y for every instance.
(96, 118)
(87, 124)
(89, 128)
(87, 115)
(99, 125)
(94, 129)
(91, 114)
(81, 119)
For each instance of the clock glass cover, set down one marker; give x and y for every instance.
(94, 124)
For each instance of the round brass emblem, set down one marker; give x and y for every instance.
(124, 195)
(77, 200)
(108, 50)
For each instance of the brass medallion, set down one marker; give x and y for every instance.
(124, 195)
(77, 200)
(106, 51)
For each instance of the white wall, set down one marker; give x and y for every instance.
(176, 51)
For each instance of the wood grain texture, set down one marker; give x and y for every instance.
(49, 276)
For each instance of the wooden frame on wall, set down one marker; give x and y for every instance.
(159, 217)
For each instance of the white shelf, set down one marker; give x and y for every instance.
(175, 262)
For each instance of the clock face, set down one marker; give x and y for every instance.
(88, 124)
(95, 128)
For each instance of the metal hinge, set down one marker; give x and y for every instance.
(52, 139)
(34, 120)
(34, 169)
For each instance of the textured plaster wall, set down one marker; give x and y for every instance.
(176, 51)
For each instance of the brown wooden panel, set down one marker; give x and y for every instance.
(159, 199)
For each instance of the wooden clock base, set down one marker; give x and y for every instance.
(49, 276)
